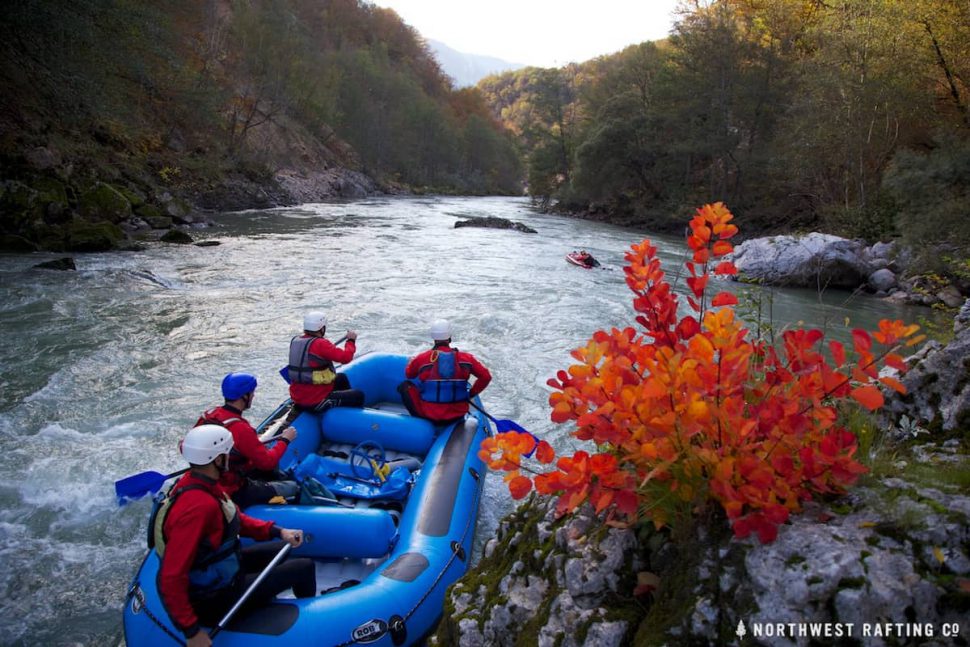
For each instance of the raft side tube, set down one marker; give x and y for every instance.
(392, 430)
(334, 531)
(377, 375)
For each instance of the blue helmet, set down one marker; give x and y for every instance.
(236, 385)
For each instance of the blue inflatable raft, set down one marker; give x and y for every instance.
(389, 546)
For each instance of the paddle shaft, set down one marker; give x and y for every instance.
(485, 413)
(280, 556)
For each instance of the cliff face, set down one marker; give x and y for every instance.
(123, 116)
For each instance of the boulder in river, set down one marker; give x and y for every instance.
(176, 236)
(815, 260)
(494, 222)
(63, 264)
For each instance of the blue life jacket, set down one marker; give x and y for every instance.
(213, 569)
(441, 380)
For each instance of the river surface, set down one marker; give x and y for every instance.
(103, 370)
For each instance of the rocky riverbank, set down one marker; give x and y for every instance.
(894, 551)
(823, 261)
(53, 206)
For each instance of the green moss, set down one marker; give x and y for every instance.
(852, 582)
(103, 202)
(93, 236)
(872, 540)
(814, 579)
(841, 509)
(794, 560)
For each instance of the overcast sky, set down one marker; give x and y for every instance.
(546, 33)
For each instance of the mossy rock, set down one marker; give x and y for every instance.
(135, 197)
(50, 190)
(176, 236)
(179, 210)
(104, 202)
(20, 206)
(158, 222)
(84, 236)
(147, 211)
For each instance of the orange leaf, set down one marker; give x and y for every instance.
(722, 247)
(893, 383)
(868, 396)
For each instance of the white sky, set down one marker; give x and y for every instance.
(546, 33)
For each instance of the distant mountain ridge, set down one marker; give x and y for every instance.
(468, 69)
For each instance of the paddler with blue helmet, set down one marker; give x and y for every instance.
(251, 477)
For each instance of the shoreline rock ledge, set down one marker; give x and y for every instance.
(816, 260)
(896, 549)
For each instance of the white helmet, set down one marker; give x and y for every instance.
(440, 330)
(203, 444)
(314, 321)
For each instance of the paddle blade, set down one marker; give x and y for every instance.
(502, 425)
(137, 486)
(285, 374)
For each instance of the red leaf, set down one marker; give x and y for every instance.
(725, 268)
(724, 299)
(838, 353)
(545, 453)
(520, 486)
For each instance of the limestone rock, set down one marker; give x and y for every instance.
(882, 280)
(813, 260)
(937, 385)
(43, 158)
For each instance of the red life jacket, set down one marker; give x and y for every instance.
(444, 379)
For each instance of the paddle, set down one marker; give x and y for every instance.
(502, 425)
(280, 556)
(285, 371)
(138, 485)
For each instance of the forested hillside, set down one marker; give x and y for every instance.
(110, 105)
(848, 116)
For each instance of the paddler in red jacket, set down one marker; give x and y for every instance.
(251, 477)
(437, 386)
(314, 381)
(196, 532)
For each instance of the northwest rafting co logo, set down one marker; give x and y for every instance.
(863, 630)
(740, 631)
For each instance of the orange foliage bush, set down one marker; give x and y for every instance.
(691, 409)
